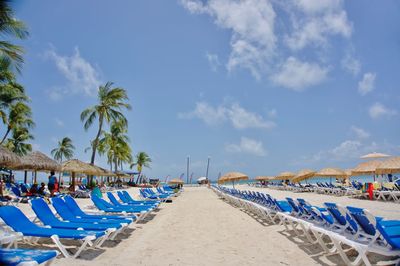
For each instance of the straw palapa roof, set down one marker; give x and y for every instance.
(284, 176)
(389, 166)
(37, 161)
(234, 176)
(303, 175)
(331, 172)
(77, 166)
(366, 168)
(176, 181)
(8, 158)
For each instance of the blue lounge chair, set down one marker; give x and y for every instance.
(65, 213)
(26, 257)
(109, 208)
(77, 211)
(47, 217)
(14, 218)
(116, 203)
(126, 198)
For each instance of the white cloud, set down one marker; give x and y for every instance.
(59, 122)
(55, 94)
(359, 132)
(314, 7)
(213, 61)
(346, 151)
(351, 65)
(81, 75)
(378, 110)
(247, 145)
(316, 21)
(298, 75)
(367, 84)
(207, 113)
(259, 34)
(239, 117)
(253, 38)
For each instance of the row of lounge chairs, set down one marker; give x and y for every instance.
(333, 227)
(87, 229)
(354, 190)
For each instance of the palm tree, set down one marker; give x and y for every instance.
(20, 115)
(108, 109)
(17, 143)
(11, 27)
(110, 102)
(116, 145)
(65, 149)
(10, 92)
(142, 160)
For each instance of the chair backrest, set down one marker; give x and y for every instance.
(43, 212)
(73, 206)
(127, 196)
(100, 202)
(358, 214)
(62, 209)
(122, 197)
(295, 208)
(16, 191)
(113, 200)
(24, 189)
(15, 218)
(336, 214)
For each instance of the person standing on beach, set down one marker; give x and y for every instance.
(52, 183)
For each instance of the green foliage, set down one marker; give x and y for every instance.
(65, 149)
(14, 28)
(17, 143)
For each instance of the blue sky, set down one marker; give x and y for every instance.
(260, 86)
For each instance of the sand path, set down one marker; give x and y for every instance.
(200, 229)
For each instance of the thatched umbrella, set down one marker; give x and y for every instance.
(284, 176)
(176, 181)
(76, 166)
(374, 155)
(331, 172)
(234, 176)
(37, 161)
(366, 168)
(303, 175)
(8, 158)
(349, 172)
(389, 166)
(222, 180)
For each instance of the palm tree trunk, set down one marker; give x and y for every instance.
(59, 176)
(5, 135)
(94, 147)
(137, 180)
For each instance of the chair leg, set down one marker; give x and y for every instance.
(60, 246)
(362, 255)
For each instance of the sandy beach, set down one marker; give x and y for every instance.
(198, 228)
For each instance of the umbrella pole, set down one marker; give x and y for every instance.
(233, 183)
(25, 177)
(73, 181)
